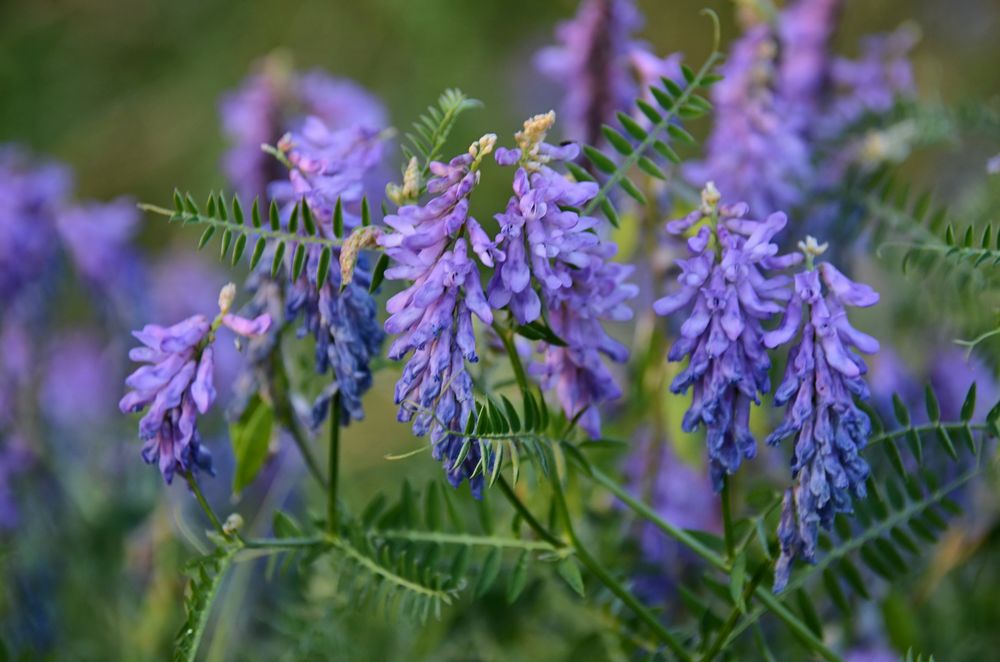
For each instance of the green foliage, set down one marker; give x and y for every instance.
(431, 130)
(207, 573)
(251, 440)
(634, 143)
(229, 221)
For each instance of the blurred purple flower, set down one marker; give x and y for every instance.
(679, 493)
(274, 100)
(78, 383)
(602, 68)
(176, 384)
(822, 379)
(433, 316)
(30, 193)
(756, 151)
(730, 294)
(97, 237)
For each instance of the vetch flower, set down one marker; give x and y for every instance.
(726, 285)
(329, 168)
(275, 99)
(601, 66)
(822, 380)
(548, 255)
(430, 246)
(176, 384)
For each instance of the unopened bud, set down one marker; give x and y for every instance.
(811, 247)
(226, 296)
(362, 238)
(232, 524)
(710, 197)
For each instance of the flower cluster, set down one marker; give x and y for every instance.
(176, 385)
(822, 379)
(329, 169)
(726, 283)
(430, 246)
(785, 97)
(544, 244)
(602, 67)
(273, 100)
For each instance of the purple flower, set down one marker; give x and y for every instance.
(78, 382)
(547, 254)
(30, 194)
(432, 318)
(97, 236)
(678, 492)
(729, 294)
(601, 67)
(274, 100)
(874, 82)
(822, 379)
(327, 167)
(176, 384)
(756, 151)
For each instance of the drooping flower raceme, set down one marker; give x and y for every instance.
(727, 286)
(601, 66)
(176, 385)
(430, 246)
(822, 380)
(549, 255)
(329, 167)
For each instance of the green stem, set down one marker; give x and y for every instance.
(507, 337)
(734, 615)
(613, 584)
(526, 515)
(286, 417)
(203, 502)
(645, 512)
(727, 519)
(334, 462)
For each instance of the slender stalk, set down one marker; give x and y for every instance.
(203, 502)
(334, 466)
(727, 518)
(734, 615)
(644, 511)
(613, 584)
(286, 417)
(526, 515)
(507, 337)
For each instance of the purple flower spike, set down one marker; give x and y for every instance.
(432, 318)
(547, 253)
(602, 67)
(176, 384)
(822, 379)
(729, 294)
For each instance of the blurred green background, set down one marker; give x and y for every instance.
(126, 92)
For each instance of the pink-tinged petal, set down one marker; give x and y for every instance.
(846, 290)
(246, 327)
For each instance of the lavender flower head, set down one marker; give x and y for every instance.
(97, 237)
(273, 100)
(176, 385)
(545, 245)
(730, 294)
(329, 168)
(822, 379)
(756, 151)
(30, 193)
(430, 246)
(602, 68)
